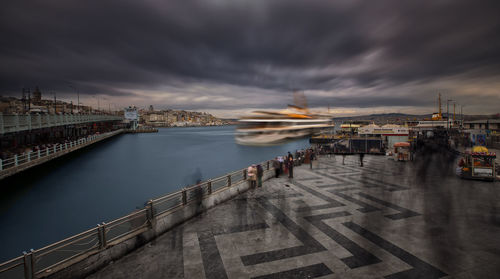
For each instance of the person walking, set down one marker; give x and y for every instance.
(281, 161)
(311, 158)
(361, 156)
(290, 165)
(252, 175)
(276, 166)
(260, 173)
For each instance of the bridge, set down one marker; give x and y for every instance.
(13, 123)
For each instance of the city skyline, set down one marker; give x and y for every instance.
(231, 57)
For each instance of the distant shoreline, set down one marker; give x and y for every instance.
(192, 126)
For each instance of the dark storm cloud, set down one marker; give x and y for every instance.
(116, 47)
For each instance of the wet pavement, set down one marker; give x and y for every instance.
(386, 219)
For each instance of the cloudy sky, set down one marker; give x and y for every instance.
(229, 57)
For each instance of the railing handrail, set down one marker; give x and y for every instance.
(114, 223)
(14, 160)
(133, 214)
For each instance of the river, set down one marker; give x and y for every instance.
(113, 178)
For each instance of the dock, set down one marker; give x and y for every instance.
(141, 130)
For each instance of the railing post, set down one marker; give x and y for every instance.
(229, 180)
(47, 151)
(55, 148)
(184, 196)
(1, 165)
(38, 153)
(209, 187)
(150, 214)
(26, 266)
(29, 121)
(101, 233)
(244, 174)
(15, 160)
(267, 165)
(65, 145)
(32, 252)
(29, 156)
(16, 122)
(29, 264)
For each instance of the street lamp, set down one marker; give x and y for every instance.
(55, 102)
(448, 113)
(77, 97)
(462, 114)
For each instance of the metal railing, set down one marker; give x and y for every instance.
(36, 263)
(10, 123)
(31, 156)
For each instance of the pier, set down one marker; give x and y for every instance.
(336, 220)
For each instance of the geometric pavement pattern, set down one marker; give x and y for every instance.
(332, 221)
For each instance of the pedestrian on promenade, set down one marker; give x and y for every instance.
(306, 156)
(260, 173)
(252, 175)
(280, 160)
(361, 156)
(276, 166)
(343, 158)
(290, 165)
(311, 158)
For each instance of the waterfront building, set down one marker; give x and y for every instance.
(487, 124)
(390, 133)
(178, 118)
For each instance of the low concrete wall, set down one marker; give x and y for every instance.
(162, 223)
(17, 169)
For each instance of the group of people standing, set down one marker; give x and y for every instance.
(281, 165)
(255, 173)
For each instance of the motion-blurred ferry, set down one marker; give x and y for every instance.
(269, 127)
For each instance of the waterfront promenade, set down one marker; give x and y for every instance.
(384, 220)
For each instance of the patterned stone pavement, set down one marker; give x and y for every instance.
(383, 220)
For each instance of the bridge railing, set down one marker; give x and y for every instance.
(18, 160)
(59, 255)
(10, 123)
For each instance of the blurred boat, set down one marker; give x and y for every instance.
(274, 127)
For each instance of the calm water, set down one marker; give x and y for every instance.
(111, 179)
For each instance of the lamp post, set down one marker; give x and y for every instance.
(55, 102)
(462, 113)
(77, 97)
(448, 114)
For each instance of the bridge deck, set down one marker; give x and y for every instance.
(13, 123)
(386, 219)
